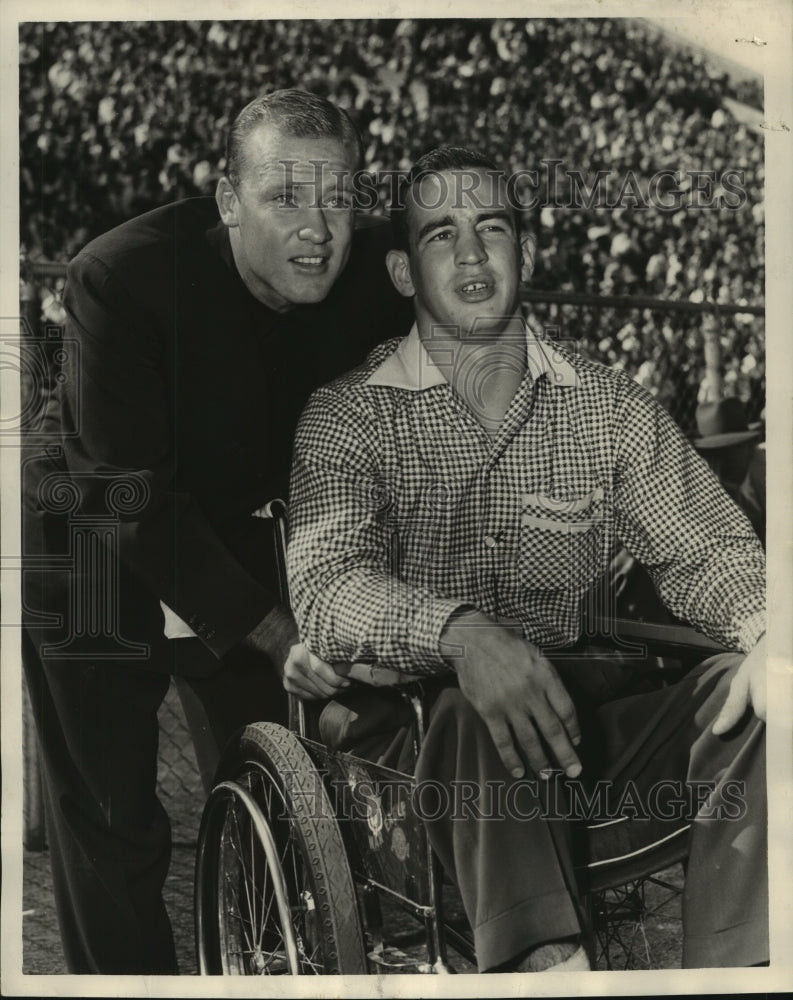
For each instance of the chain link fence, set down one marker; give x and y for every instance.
(662, 344)
(659, 342)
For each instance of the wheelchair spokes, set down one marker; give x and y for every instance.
(627, 919)
(272, 881)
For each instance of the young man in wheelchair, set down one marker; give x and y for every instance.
(452, 501)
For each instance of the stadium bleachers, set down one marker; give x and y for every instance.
(119, 117)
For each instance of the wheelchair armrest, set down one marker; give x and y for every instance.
(661, 639)
(376, 676)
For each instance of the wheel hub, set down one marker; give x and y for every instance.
(257, 963)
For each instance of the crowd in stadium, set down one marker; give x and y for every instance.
(117, 118)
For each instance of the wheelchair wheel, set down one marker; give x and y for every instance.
(274, 892)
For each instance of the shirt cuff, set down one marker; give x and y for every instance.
(175, 627)
(752, 629)
(428, 624)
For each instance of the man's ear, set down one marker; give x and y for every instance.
(528, 253)
(398, 264)
(227, 202)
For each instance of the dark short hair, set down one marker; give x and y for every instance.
(433, 162)
(295, 112)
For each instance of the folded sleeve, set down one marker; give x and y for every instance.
(348, 602)
(673, 514)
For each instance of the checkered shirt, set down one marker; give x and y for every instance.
(403, 509)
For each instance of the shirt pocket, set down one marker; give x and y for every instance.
(560, 541)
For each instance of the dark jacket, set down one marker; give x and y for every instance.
(173, 423)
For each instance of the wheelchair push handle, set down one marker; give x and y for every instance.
(275, 510)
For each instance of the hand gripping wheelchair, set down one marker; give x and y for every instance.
(301, 850)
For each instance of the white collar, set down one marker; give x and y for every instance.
(411, 366)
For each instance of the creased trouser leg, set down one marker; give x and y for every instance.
(665, 735)
(109, 836)
(509, 870)
(725, 903)
(513, 874)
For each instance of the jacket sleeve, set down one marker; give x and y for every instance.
(348, 600)
(116, 408)
(675, 517)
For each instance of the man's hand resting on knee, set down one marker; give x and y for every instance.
(517, 692)
(748, 688)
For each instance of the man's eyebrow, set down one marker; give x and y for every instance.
(496, 215)
(272, 178)
(432, 225)
(275, 174)
(448, 220)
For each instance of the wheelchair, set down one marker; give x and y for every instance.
(301, 849)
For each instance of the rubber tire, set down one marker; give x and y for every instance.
(278, 751)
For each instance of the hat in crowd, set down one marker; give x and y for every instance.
(722, 424)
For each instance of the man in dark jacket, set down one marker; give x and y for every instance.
(194, 336)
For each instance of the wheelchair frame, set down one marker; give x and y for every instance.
(327, 867)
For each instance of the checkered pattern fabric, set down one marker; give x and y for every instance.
(404, 509)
